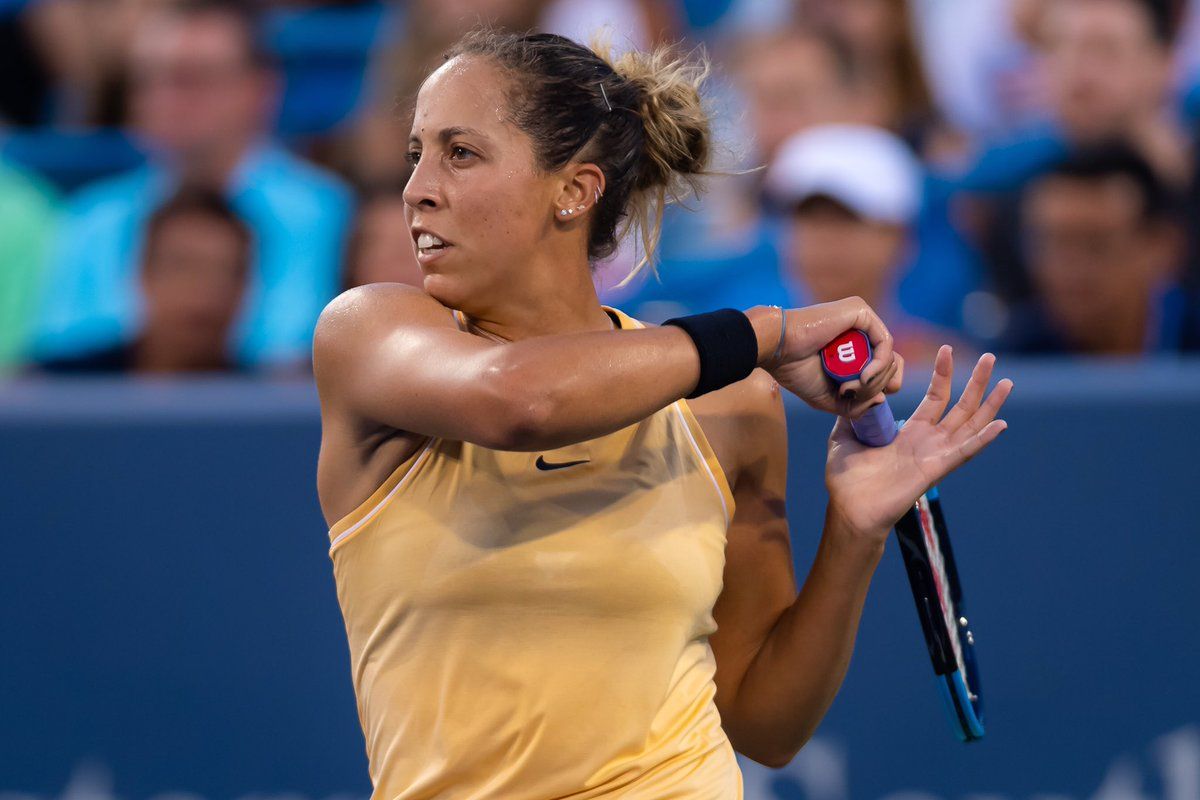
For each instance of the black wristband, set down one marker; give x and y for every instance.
(727, 345)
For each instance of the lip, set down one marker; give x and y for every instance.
(428, 258)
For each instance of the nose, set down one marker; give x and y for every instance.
(422, 190)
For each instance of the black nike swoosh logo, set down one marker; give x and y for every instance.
(542, 464)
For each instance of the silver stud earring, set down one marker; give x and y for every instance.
(563, 212)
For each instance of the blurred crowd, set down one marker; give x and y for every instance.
(184, 184)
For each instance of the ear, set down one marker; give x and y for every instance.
(581, 189)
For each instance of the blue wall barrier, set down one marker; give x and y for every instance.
(168, 624)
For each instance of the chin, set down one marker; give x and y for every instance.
(445, 289)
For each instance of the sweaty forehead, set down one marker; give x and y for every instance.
(465, 92)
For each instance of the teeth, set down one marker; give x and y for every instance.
(427, 240)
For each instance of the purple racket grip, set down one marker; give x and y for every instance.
(844, 360)
(876, 427)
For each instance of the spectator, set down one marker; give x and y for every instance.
(381, 247)
(203, 98)
(892, 80)
(792, 79)
(852, 194)
(981, 61)
(1103, 249)
(1107, 71)
(26, 225)
(195, 265)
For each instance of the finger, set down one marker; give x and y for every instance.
(938, 394)
(868, 394)
(986, 412)
(968, 402)
(973, 445)
(842, 434)
(880, 337)
(896, 382)
(842, 431)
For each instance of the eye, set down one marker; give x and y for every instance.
(412, 157)
(458, 153)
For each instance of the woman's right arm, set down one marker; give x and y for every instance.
(393, 355)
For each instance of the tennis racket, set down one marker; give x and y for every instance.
(928, 558)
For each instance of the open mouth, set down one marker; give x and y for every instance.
(429, 245)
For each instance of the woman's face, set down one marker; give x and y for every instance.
(475, 187)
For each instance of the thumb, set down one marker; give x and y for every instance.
(842, 433)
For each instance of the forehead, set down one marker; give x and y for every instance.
(1118, 19)
(779, 56)
(202, 36)
(1111, 198)
(465, 92)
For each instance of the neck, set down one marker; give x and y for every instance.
(215, 165)
(159, 354)
(550, 300)
(1121, 333)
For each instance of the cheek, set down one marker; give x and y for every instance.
(502, 209)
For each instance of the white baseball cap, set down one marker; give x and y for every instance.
(869, 170)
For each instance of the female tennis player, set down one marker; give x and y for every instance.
(558, 534)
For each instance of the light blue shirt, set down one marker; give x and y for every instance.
(299, 216)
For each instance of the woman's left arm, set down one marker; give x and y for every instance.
(782, 655)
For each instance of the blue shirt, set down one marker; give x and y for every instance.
(299, 216)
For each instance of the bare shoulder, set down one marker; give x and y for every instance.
(364, 309)
(364, 314)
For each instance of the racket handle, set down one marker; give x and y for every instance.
(876, 427)
(844, 360)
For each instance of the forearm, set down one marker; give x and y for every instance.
(792, 680)
(574, 387)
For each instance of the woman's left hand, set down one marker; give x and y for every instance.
(870, 488)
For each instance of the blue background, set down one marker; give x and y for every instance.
(168, 621)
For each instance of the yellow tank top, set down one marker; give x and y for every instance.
(533, 626)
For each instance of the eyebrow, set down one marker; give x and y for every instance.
(446, 134)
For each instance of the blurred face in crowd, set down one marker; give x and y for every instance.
(1104, 67)
(870, 26)
(383, 250)
(791, 83)
(195, 88)
(476, 187)
(193, 277)
(835, 253)
(1093, 256)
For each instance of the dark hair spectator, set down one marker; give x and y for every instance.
(1103, 243)
(195, 267)
(203, 100)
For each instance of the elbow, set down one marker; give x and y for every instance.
(771, 748)
(773, 760)
(518, 412)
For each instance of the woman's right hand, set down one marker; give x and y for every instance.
(798, 367)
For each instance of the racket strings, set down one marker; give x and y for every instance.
(941, 582)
